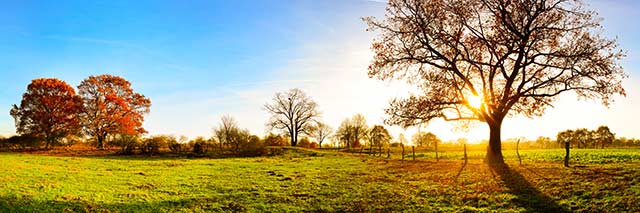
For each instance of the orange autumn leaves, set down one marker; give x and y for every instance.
(105, 104)
(49, 109)
(112, 107)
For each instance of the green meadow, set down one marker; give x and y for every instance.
(325, 181)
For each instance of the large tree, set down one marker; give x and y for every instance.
(292, 111)
(111, 107)
(49, 110)
(485, 60)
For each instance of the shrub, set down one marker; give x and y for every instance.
(395, 144)
(69, 140)
(3, 142)
(23, 142)
(127, 143)
(175, 145)
(252, 147)
(153, 145)
(304, 142)
(274, 140)
(199, 146)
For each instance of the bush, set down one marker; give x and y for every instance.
(23, 142)
(252, 147)
(153, 145)
(3, 143)
(304, 142)
(175, 145)
(274, 140)
(127, 143)
(69, 140)
(395, 144)
(200, 146)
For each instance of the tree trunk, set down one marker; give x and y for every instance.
(413, 154)
(465, 154)
(294, 140)
(494, 150)
(100, 142)
(436, 143)
(518, 152)
(566, 157)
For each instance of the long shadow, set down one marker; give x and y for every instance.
(460, 171)
(527, 196)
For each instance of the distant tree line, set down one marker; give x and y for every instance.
(106, 112)
(584, 138)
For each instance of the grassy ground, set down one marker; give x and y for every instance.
(314, 181)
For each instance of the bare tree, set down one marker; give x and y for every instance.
(484, 60)
(226, 131)
(320, 132)
(351, 131)
(293, 112)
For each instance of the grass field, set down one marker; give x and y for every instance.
(302, 180)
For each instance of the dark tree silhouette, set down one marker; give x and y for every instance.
(485, 60)
(293, 112)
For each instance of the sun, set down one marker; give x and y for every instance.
(474, 101)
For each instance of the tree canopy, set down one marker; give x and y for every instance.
(111, 106)
(293, 112)
(49, 110)
(485, 60)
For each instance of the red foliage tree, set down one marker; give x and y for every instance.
(49, 110)
(111, 106)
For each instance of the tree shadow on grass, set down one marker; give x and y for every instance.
(527, 196)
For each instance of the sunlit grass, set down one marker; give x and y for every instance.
(302, 180)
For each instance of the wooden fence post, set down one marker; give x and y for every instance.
(402, 151)
(413, 149)
(465, 154)
(388, 153)
(566, 157)
(518, 151)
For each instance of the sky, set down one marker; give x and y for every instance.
(200, 60)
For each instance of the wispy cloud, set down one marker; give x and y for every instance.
(83, 39)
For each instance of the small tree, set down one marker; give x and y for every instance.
(351, 131)
(320, 132)
(604, 136)
(379, 136)
(225, 132)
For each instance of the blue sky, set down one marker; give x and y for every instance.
(203, 59)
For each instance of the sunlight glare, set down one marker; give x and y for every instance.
(474, 101)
